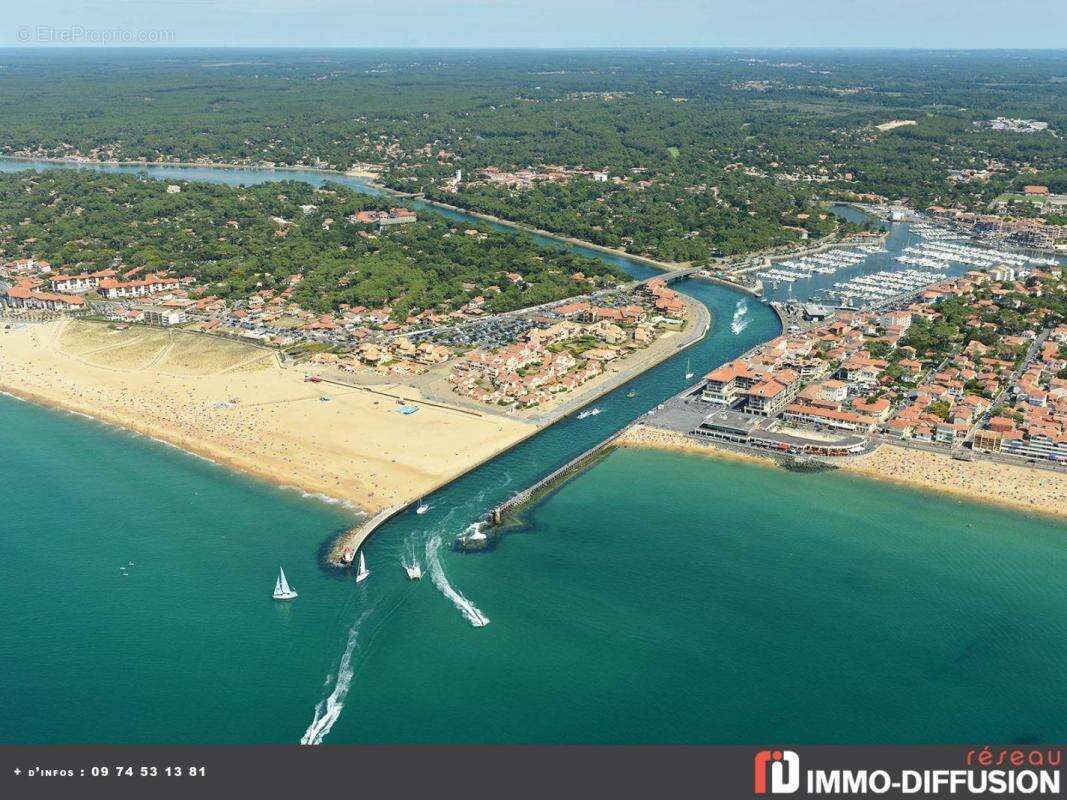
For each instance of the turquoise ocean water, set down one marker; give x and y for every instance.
(657, 597)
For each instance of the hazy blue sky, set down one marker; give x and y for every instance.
(547, 23)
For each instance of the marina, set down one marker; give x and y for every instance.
(939, 253)
(352, 657)
(913, 256)
(881, 288)
(826, 263)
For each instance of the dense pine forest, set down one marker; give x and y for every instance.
(706, 153)
(238, 240)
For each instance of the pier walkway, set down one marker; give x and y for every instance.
(497, 515)
(348, 544)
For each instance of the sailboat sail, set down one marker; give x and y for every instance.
(282, 589)
(363, 571)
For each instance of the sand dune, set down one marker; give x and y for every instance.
(237, 405)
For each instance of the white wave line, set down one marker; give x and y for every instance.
(329, 708)
(408, 557)
(471, 612)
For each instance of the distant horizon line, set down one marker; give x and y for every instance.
(528, 48)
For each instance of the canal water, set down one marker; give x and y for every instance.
(656, 597)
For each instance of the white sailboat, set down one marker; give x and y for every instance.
(688, 371)
(363, 572)
(282, 589)
(422, 507)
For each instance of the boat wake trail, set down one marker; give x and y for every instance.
(471, 612)
(740, 321)
(329, 708)
(408, 557)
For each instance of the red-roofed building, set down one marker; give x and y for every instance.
(115, 290)
(726, 384)
(826, 417)
(24, 296)
(82, 282)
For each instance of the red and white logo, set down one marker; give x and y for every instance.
(784, 769)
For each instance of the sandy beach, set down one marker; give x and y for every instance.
(653, 438)
(235, 404)
(981, 481)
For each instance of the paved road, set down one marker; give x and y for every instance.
(1031, 354)
(677, 414)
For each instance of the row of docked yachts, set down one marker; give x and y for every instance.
(940, 254)
(881, 286)
(935, 233)
(937, 252)
(826, 263)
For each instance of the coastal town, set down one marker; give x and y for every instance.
(515, 360)
(966, 368)
(579, 347)
(1030, 218)
(974, 365)
(459, 373)
(873, 375)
